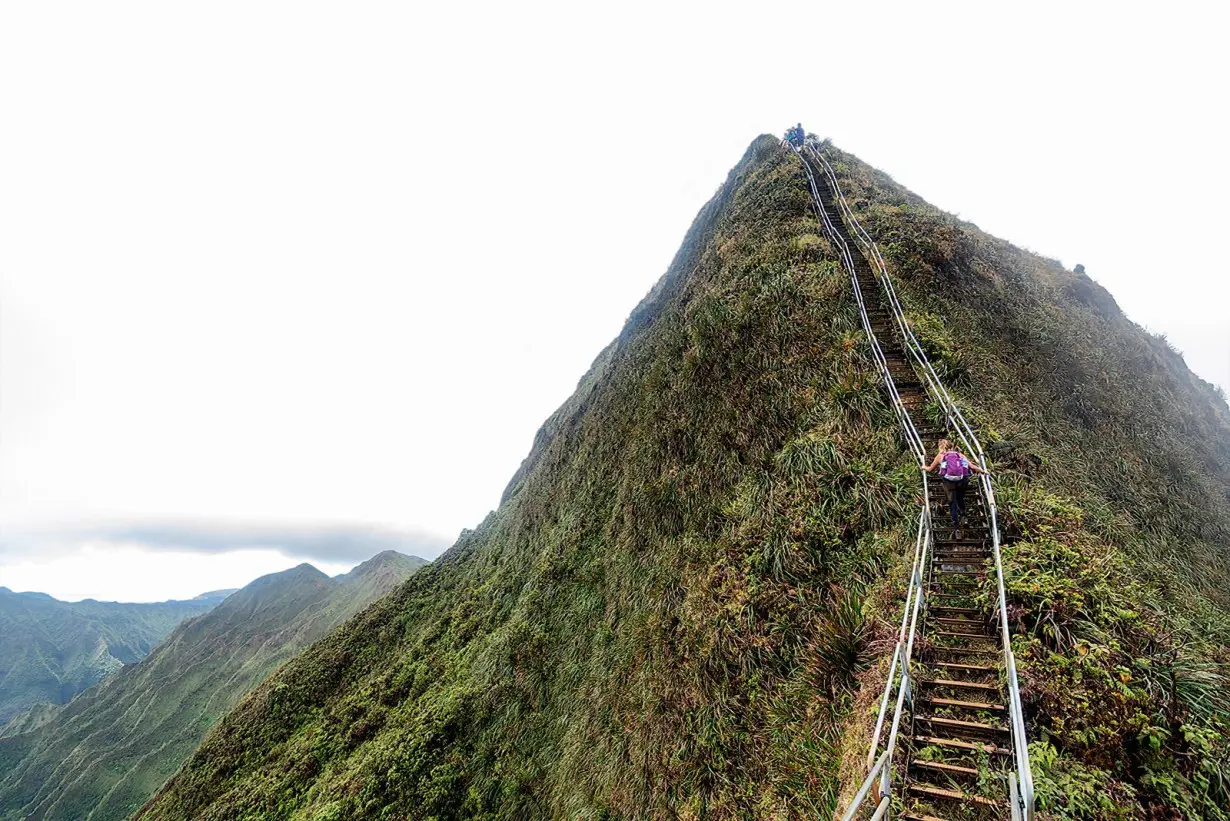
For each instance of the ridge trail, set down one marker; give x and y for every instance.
(957, 756)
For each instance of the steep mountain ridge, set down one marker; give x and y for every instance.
(51, 650)
(685, 603)
(105, 753)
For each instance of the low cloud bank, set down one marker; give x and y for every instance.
(333, 543)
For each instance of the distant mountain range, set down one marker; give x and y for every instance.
(107, 752)
(51, 650)
(217, 595)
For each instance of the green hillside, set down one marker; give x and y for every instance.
(685, 603)
(104, 754)
(51, 650)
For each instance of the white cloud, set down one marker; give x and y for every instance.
(317, 541)
(129, 573)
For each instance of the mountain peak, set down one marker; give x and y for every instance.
(215, 594)
(384, 559)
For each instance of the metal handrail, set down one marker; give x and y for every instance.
(913, 440)
(899, 672)
(1021, 787)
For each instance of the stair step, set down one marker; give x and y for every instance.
(958, 622)
(955, 666)
(950, 635)
(956, 725)
(965, 705)
(973, 610)
(964, 651)
(963, 685)
(952, 795)
(940, 766)
(966, 746)
(909, 816)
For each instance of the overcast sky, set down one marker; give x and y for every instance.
(299, 281)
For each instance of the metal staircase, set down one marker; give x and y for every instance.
(955, 746)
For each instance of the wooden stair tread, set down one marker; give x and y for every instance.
(970, 746)
(964, 651)
(940, 766)
(968, 705)
(953, 795)
(947, 634)
(957, 724)
(968, 685)
(958, 666)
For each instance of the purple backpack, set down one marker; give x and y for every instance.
(954, 466)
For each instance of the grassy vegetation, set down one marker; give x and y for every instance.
(102, 756)
(684, 605)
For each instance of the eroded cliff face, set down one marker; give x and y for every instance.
(686, 599)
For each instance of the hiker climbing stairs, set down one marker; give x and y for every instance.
(955, 757)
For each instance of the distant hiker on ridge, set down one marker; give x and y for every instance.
(796, 136)
(955, 469)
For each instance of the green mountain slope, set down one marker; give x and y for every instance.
(685, 603)
(104, 754)
(51, 650)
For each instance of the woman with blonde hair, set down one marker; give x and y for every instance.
(955, 469)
